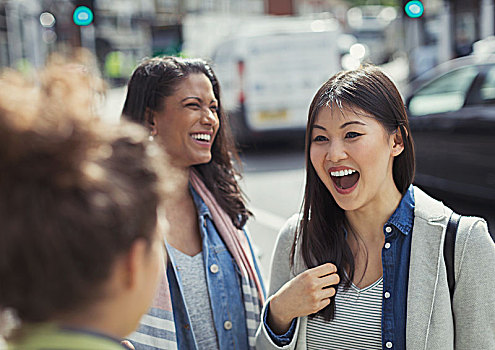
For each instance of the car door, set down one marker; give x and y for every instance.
(451, 135)
(477, 133)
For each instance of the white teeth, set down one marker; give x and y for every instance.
(202, 137)
(342, 172)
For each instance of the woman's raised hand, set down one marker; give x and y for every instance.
(305, 294)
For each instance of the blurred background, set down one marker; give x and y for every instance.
(272, 55)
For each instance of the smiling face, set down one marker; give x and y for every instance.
(188, 122)
(353, 156)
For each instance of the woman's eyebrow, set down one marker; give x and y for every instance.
(193, 97)
(316, 126)
(351, 123)
(198, 99)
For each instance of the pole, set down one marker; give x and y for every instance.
(88, 38)
(445, 38)
(486, 18)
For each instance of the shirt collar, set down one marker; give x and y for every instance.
(93, 333)
(403, 216)
(201, 207)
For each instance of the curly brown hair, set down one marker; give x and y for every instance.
(76, 193)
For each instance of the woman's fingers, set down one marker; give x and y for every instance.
(307, 293)
(323, 303)
(327, 293)
(323, 270)
(127, 344)
(329, 280)
(321, 277)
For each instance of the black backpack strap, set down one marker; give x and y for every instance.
(449, 250)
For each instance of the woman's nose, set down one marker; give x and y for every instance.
(209, 118)
(336, 152)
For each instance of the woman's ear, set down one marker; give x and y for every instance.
(149, 119)
(397, 142)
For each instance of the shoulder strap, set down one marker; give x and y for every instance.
(449, 250)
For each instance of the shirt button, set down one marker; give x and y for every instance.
(214, 268)
(388, 229)
(387, 295)
(227, 325)
(387, 245)
(389, 344)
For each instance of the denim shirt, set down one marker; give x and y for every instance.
(224, 288)
(395, 260)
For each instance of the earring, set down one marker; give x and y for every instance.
(151, 138)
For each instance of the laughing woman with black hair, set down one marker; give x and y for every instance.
(362, 267)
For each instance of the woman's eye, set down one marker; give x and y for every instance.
(193, 105)
(351, 135)
(319, 138)
(214, 109)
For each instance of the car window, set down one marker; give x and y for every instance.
(487, 90)
(444, 94)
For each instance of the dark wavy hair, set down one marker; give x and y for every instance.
(157, 78)
(321, 231)
(77, 193)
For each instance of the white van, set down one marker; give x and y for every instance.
(269, 77)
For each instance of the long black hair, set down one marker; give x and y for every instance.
(157, 78)
(321, 232)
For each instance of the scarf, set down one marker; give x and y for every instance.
(157, 328)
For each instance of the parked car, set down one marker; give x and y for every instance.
(452, 114)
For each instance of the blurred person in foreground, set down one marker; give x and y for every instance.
(81, 248)
(362, 267)
(214, 292)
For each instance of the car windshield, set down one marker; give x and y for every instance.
(444, 94)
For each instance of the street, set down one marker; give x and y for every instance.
(273, 181)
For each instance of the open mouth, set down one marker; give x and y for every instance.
(203, 138)
(345, 179)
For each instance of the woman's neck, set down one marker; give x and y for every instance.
(96, 319)
(368, 221)
(181, 188)
(182, 216)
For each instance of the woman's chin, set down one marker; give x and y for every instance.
(202, 160)
(344, 201)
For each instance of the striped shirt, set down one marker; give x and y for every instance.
(357, 322)
(195, 288)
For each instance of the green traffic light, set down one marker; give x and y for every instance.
(83, 16)
(414, 9)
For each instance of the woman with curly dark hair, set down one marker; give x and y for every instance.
(214, 291)
(81, 248)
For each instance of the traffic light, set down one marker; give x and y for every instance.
(414, 9)
(83, 16)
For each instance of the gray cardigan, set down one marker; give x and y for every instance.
(429, 317)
